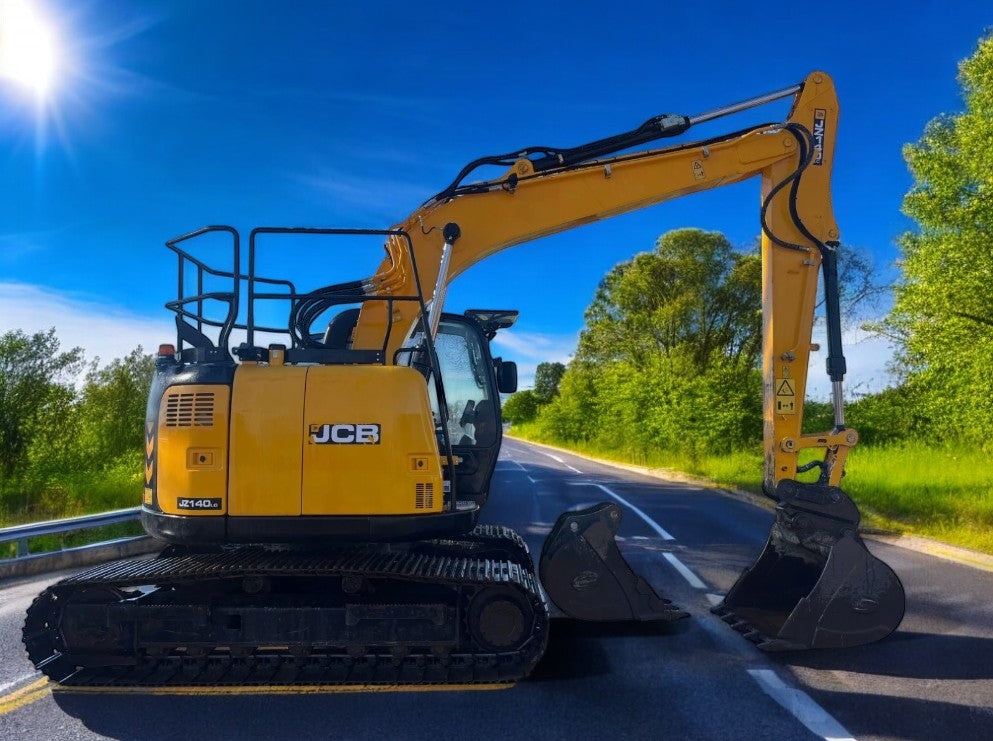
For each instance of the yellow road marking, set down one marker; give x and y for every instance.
(305, 689)
(25, 695)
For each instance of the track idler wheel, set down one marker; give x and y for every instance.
(585, 575)
(815, 585)
(501, 620)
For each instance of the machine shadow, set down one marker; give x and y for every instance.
(579, 649)
(413, 715)
(909, 655)
(910, 718)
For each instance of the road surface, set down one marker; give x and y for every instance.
(698, 679)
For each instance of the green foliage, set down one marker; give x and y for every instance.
(692, 292)
(547, 377)
(572, 415)
(112, 408)
(667, 358)
(943, 310)
(520, 407)
(35, 395)
(886, 417)
(68, 445)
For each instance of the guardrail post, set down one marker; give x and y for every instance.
(22, 547)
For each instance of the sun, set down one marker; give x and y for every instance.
(28, 54)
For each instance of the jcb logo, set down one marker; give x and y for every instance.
(345, 434)
(820, 116)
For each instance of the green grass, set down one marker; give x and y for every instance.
(938, 492)
(911, 487)
(71, 493)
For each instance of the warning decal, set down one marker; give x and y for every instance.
(785, 396)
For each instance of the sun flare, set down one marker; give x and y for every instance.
(28, 54)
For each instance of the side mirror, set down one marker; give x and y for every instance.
(507, 377)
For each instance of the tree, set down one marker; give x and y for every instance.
(943, 310)
(546, 381)
(667, 358)
(113, 405)
(36, 394)
(694, 291)
(521, 407)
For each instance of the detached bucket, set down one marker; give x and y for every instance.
(585, 575)
(815, 585)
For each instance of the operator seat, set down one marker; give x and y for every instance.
(485, 423)
(339, 331)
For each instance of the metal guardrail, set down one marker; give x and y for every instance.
(22, 533)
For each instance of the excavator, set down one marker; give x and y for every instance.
(319, 484)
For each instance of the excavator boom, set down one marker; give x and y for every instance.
(547, 191)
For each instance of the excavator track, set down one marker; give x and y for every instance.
(488, 541)
(418, 614)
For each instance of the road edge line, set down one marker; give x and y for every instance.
(800, 705)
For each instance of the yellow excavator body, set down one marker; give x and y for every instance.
(321, 493)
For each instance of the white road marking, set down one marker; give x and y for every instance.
(19, 680)
(648, 520)
(511, 462)
(556, 458)
(692, 578)
(799, 704)
(715, 599)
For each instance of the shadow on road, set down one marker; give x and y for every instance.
(584, 666)
(910, 655)
(914, 719)
(577, 649)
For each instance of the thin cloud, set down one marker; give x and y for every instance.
(867, 356)
(383, 200)
(102, 330)
(528, 349)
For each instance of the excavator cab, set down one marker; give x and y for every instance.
(473, 381)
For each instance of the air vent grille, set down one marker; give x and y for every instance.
(424, 496)
(189, 409)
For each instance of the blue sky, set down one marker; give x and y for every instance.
(168, 115)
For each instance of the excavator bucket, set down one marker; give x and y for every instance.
(815, 585)
(585, 575)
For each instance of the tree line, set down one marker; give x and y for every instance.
(71, 433)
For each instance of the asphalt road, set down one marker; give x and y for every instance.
(931, 679)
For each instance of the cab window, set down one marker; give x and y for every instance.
(466, 374)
